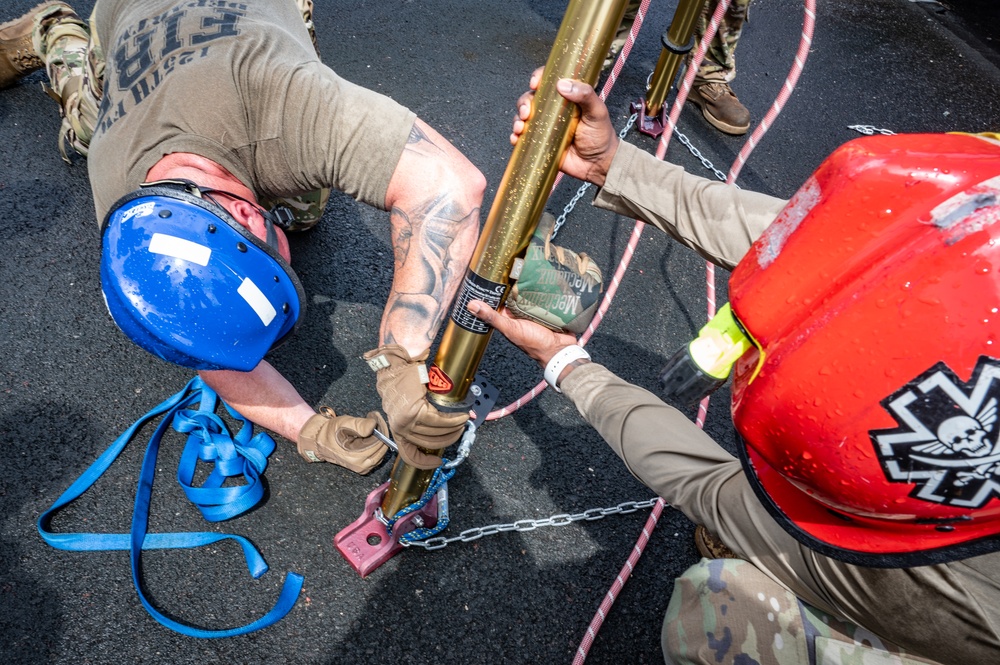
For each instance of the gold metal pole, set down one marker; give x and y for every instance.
(585, 35)
(675, 48)
(406, 485)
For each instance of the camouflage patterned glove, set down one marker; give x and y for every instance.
(557, 287)
(416, 424)
(343, 440)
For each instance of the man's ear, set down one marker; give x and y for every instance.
(249, 217)
(244, 213)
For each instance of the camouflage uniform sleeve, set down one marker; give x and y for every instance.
(717, 220)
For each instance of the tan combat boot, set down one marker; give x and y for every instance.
(719, 105)
(709, 545)
(17, 56)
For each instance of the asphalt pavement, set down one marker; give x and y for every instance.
(70, 383)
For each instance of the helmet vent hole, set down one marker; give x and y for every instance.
(211, 228)
(285, 308)
(241, 246)
(165, 213)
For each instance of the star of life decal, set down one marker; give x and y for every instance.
(946, 443)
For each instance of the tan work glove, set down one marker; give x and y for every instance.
(417, 426)
(345, 440)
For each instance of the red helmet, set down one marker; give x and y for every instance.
(868, 405)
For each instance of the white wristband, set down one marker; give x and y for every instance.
(558, 363)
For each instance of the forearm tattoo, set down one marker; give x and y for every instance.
(430, 239)
(427, 273)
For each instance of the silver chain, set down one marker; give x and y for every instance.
(868, 130)
(561, 519)
(568, 208)
(705, 161)
(561, 219)
(700, 157)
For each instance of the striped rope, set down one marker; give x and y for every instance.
(619, 583)
(808, 26)
(609, 83)
(654, 515)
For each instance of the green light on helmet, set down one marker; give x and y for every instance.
(703, 365)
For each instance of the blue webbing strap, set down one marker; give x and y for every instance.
(242, 454)
(209, 440)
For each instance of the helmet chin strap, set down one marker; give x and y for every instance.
(279, 216)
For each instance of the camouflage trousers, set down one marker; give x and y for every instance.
(728, 611)
(720, 58)
(719, 63)
(74, 62)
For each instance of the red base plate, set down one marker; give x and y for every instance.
(365, 543)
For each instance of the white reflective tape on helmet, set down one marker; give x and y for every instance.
(179, 248)
(257, 301)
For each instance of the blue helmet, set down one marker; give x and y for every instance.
(186, 282)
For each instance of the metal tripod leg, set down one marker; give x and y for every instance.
(676, 45)
(366, 543)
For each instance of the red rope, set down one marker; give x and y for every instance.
(752, 142)
(654, 515)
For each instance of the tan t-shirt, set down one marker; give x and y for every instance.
(238, 83)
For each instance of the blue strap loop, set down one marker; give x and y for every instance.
(208, 440)
(441, 476)
(242, 454)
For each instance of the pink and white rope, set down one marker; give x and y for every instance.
(619, 583)
(808, 27)
(640, 16)
(654, 515)
(675, 111)
(752, 142)
(661, 150)
(609, 83)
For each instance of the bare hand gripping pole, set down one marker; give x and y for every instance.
(585, 35)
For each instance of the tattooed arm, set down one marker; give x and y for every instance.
(434, 197)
